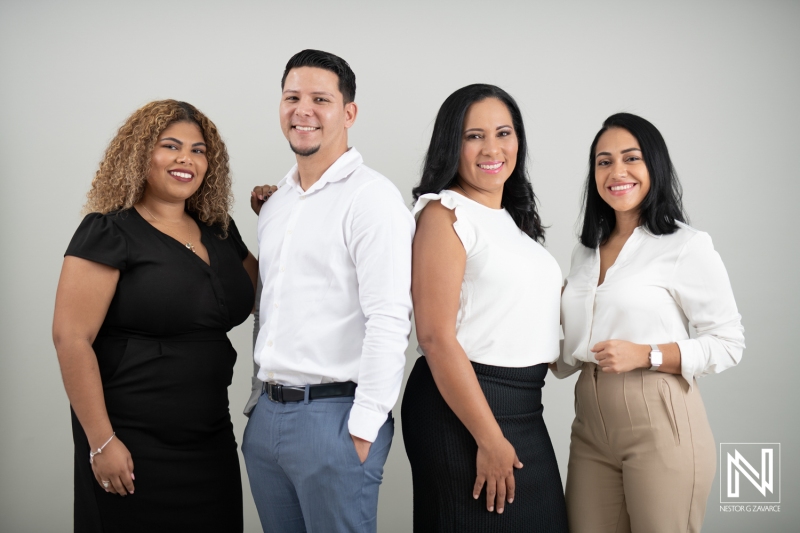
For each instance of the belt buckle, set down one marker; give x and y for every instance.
(275, 392)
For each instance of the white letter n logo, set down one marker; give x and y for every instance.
(741, 465)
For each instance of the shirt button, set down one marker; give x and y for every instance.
(303, 197)
(271, 375)
(269, 343)
(289, 232)
(283, 269)
(276, 305)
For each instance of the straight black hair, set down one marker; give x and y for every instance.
(440, 170)
(327, 61)
(660, 209)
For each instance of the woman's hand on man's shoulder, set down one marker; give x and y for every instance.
(259, 195)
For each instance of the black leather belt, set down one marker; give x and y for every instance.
(292, 393)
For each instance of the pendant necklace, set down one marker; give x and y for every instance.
(188, 244)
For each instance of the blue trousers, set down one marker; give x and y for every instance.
(305, 474)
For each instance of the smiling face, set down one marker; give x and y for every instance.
(620, 173)
(314, 117)
(178, 163)
(488, 147)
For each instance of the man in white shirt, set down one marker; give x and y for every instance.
(335, 263)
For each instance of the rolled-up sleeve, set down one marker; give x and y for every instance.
(701, 287)
(381, 230)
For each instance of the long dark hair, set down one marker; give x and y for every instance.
(440, 170)
(660, 209)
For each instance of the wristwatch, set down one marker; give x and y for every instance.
(656, 357)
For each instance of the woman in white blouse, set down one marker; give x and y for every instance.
(647, 307)
(486, 302)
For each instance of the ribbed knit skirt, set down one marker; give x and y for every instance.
(442, 453)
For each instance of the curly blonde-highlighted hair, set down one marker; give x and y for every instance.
(121, 179)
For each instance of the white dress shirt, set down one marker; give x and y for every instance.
(335, 262)
(510, 294)
(661, 289)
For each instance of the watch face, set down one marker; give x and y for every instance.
(655, 358)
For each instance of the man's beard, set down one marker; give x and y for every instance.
(304, 153)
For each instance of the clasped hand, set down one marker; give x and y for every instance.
(496, 464)
(615, 356)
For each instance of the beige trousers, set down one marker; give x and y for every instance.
(642, 457)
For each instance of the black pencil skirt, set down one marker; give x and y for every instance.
(443, 453)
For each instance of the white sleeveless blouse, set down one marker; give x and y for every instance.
(510, 295)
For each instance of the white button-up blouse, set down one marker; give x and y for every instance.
(335, 262)
(661, 289)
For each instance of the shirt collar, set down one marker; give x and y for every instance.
(339, 170)
(632, 242)
(646, 232)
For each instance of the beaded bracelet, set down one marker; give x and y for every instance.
(100, 449)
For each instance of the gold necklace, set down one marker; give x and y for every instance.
(188, 244)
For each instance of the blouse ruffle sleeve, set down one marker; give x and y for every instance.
(462, 226)
(702, 289)
(99, 239)
(236, 239)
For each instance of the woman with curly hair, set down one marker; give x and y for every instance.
(154, 277)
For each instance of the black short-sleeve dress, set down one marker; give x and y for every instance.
(165, 362)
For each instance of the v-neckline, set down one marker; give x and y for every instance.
(179, 243)
(616, 260)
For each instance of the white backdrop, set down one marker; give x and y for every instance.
(719, 78)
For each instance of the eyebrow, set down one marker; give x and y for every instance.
(173, 139)
(312, 92)
(625, 151)
(481, 129)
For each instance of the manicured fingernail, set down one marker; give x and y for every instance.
(475, 496)
(510, 500)
(499, 511)
(261, 197)
(491, 509)
(131, 492)
(132, 476)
